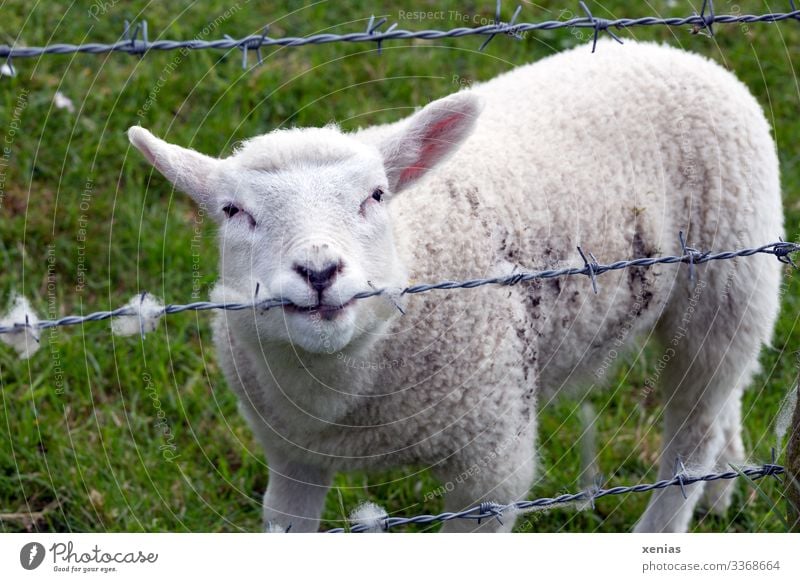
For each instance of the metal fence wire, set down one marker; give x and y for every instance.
(135, 37)
(782, 250)
(490, 510)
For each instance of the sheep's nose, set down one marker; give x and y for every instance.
(319, 279)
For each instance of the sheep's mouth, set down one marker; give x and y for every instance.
(323, 310)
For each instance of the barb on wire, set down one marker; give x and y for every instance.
(372, 28)
(498, 22)
(680, 474)
(708, 19)
(599, 24)
(694, 255)
(488, 510)
(132, 44)
(783, 255)
(591, 269)
(594, 489)
(136, 47)
(32, 328)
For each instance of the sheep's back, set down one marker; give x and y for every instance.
(614, 151)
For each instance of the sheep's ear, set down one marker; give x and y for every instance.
(187, 169)
(427, 138)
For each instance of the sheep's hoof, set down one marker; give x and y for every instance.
(717, 497)
(273, 527)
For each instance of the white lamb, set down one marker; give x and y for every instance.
(616, 151)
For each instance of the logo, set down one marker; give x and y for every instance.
(31, 555)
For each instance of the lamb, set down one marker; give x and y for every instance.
(615, 151)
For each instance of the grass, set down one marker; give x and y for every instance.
(84, 225)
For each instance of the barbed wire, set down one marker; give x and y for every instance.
(591, 269)
(135, 41)
(490, 510)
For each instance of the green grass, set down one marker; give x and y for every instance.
(78, 424)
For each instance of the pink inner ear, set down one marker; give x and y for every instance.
(435, 144)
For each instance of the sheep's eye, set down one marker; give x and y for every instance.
(230, 210)
(377, 194)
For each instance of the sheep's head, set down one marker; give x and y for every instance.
(304, 214)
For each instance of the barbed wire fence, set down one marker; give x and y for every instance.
(148, 310)
(145, 313)
(135, 37)
(490, 510)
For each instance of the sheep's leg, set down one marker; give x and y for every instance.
(295, 497)
(500, 473)
(693, 440)
(717, 494)
(702, 430)
(712, 344)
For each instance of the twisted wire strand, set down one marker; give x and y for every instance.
(490, 510)
(781, 250)
(131, 44)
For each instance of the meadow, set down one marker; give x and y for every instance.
(102, 433)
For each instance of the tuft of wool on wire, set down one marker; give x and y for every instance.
(25, 340)
(370, 515)
(145, 309)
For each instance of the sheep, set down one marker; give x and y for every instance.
(615, 151)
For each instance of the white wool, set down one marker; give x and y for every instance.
(7, 70)
(26, 339)
(61, 101)
(370, 515)
(693, 470)
(577, 505)
(147, 310)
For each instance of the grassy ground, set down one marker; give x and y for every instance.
(84, 225)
